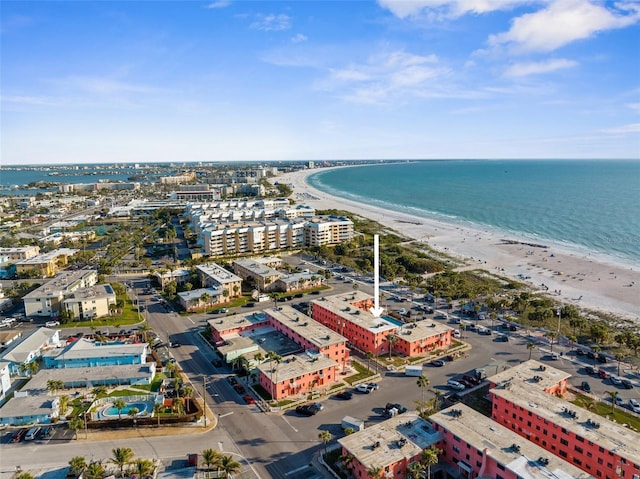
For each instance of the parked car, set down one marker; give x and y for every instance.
(217, 363)
(18, 436)
(591, 370)
(615, 380)
(619, 400)
(580, 352)
(364, 388)
(503, 338)
(249, 399)
(239, 388)
(627, 384)
(232, 380)
(455, 385)
(52, 324)
(306, 410)
(602, 359)
(438, 362)
(603, 374)
(317, 406)
(585, 387)
(373, 386)
(634, 405)
(344, 395)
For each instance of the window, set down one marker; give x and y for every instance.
(456, 448)
(564, 442)
(562, 453)
(577, 461)
(578, 449)
(579, 438)
(500, 466)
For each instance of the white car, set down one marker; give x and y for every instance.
(364, 388)
(52, 324)
(9, 320)
(615, 380)
(634, 405)
(456, 333)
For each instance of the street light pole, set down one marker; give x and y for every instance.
(204, 399)
(558, 312)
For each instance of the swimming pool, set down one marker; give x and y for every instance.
(395, 321)
(111, 411)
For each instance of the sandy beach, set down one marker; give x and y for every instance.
(587, 281)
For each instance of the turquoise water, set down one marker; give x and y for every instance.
(593, 205)
(140, 406)
(395, 321)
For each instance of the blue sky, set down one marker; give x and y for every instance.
(309, 80)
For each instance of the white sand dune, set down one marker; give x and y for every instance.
(588, 281)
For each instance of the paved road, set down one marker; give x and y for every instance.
(273, 445)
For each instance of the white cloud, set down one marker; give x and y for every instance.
(387, 75)
(272, 22)
(102, 86)
(299, 38)
(563, 22)
(218, 4)
(624, 129)
(29, 100)
(536, 68)
(440, 9)
(634, 106)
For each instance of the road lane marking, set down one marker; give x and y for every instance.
(227, 414)
(290, 425)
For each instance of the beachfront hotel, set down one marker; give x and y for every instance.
(349, 314)
(528, 403)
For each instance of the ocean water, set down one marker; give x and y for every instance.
(591, 205)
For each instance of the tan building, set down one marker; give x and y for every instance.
(47, 264)
(19, 253)
(47, 299)
(215, 276)
(90, 303)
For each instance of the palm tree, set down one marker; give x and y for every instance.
(229, 465)
(325, 437)
(415, 470)
(391, 339)
(273, 356)
(95, 470)
(531, 347)
(54, 385)
(613, 395)
(143, 468)
(157, 409)
(374, 472)
(369, 357)
(619, 357)
(552, 335)
(188, 394)
(347, 461)
(77, 464)
(99, 391)
(63, 405)
(121, 457)
(422, 382)
(436, 399)
(211, 457)
(206, 299)
(430, 457)
(119, 404)
(75, 425)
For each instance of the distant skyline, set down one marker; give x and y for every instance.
(144, 81)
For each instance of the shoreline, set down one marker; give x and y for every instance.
(581, 278)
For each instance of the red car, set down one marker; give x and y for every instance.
(249, 399)
(603, 374)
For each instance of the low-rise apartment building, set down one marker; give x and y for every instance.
(20, 252)
(84, 353)
(34, 345)
(197, 299)
(47, 264)
(349, 314)
(215, 276)
(591, 442)
(257, 273)
(91, 302)
(47, 299)
(390, 446)
(474, 446)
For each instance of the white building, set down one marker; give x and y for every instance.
(90, 303)
(47, 299)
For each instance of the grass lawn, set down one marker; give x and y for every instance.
(362, 373)
(603, 409)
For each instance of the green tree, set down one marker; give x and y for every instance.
(229, 465)
(95, 470)
(54, 385)
(422, 383)
(121, 456)
(143, 468)
(552, 335)
(531, 347)
(415, 470)
(325, 437)
(430, 457)
(75, 424)
(369, 357)
(99, 391)
(392, 339)
(24, 475)
(374, 472)
(77, 464)
(63, 405)
(119, 404)
(211, 457)
(158, 409)
(613, 395)
(272, 356)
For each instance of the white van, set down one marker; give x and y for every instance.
(555, 356)
(32, 433)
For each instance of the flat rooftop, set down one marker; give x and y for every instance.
(84, 349)
(62, 282)
(48, 257)
(343, 305)
(218, 273)
(421, 330)
(388, 435)
(532, 372)
(38, 383)
(306, 327)
(257, 268)
(483, 434)
(609, 435)
(92, 292)
(244, 320)
(297, 365)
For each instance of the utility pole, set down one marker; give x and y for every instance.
(204, 399)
